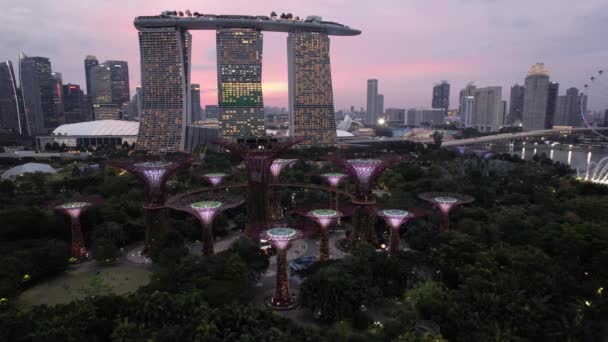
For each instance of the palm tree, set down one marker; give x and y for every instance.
(273, 14)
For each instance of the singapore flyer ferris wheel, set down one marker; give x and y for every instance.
(594, 101)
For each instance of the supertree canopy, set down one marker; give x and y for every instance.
(74, 211)
(333, 179)
(445, 201)
(257, 154)
(324, 218)
(395, 218)
(364, 172)
(153, 171)
(281, 239)
(204, 209)
(214, 178)
(278, 165)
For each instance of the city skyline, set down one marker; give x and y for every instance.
(497, 51)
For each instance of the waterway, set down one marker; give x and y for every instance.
(576, 156)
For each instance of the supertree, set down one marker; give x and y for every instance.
(214, 178)
(483, 161)
(74, 211)
(445, 201)
(364, 172)
(257, 154)
(280, 239)
(324, 218)
(276, 209)
(333, 179)
(205, 210)
(395, 218)
(153, 171)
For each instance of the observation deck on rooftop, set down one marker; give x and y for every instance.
(262, 23)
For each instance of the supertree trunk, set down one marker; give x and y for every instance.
(78, 250)
(207, 240)
(394, 242)
(323, 244)
(444, 221)
(282, 297)
(276, 209)
(157, 222)
(332, 203)
(364, 222)
(257, 208)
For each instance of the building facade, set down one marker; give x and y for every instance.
(441, 96)
(195, 96)
(425, 117)
(110, 93)
(516, 104)
(37, 92)
(239, 77)
(311, 102)
(467, 113)
(568, 109)
(487, 115)
(372, 99)
(11, 115)
(75, 105)
(536, 97)
(395, 115)
(89, 63)
(165, 85)
(551, 104)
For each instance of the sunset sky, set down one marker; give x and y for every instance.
(407, 45)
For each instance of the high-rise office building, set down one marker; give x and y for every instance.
(467, 112)
(441, 96)
(239, 77)
(536, 97)
(311, 101)
(568, 109)
(119, 77)
(110, 93)
(212, 112)
(74, 104)
(504, 113)
(551, 104)
(195, 95)
(516, 104)
(165, 85)
(372, 99)
(37, 92)
(380, 106)
(488, 109)
(395, 115)
(57, 86)
(89, 63)
(425, 117)
(11, 115)
(466, 91)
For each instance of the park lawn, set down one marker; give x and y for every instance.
(84, 280)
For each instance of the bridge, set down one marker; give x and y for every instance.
(517, 136)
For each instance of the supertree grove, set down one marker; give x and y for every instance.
(364, 173)
(396, 218)
(205, 210)
(280, 239)
(257, 154)
(214, 178)
(276, 209)
(445, 201)
(324, 218)
(333, 179)
(74, 211)
(153, 172)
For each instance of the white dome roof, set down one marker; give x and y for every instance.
(101, 127)
(27, 168)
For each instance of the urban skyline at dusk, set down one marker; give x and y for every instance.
(490, 43)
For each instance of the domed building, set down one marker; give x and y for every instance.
(92, 133)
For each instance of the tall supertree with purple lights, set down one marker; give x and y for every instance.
(205, 210)
(276, 209)
(257, 154)
(214, 178)
(74, 211)
(333, 179)
(280, 239)
(445, 201)
(396, 218)
(324, 218)
(153, 172)
(364, 173)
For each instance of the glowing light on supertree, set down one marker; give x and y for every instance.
(257, 154)
(205, 209)
(153, 172)
(445, 202)
(395, 218)
(214, 178)
(595, 172)
(74, 211)
(333, 179)
(276, 209)
(280, 239)
(324, 218)
(462, 150)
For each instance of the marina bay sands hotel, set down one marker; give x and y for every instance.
(166, 45)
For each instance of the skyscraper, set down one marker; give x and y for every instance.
(89, 63)
(536, 97)
(467, 114)
(74, 104)
(57, 86)
(379, 106)
(311, 102)
(488, 109)
(462, 103)
(195, 95)
(441, 96)
(11, 116)
(239, 77)
(568, 111)
(37, 91)
(551, 104)
(372, 99)
(212, 112)
(165, 85)
(119, 78)
(110, 89)
(516, 104)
